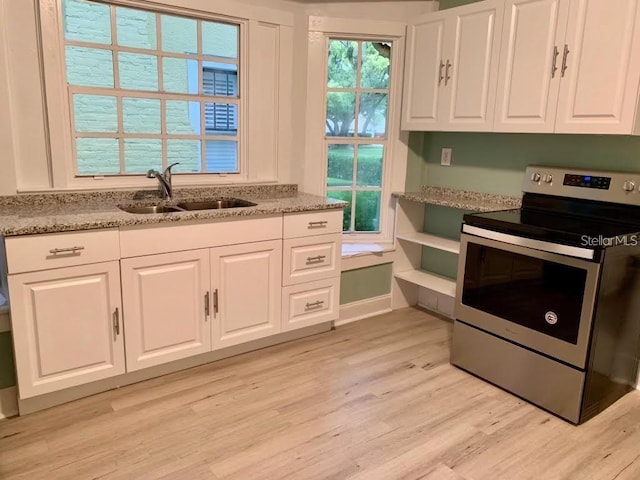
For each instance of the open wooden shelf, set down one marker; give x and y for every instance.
(437, 283)
(433, 241)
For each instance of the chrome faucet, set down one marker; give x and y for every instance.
(164, 179)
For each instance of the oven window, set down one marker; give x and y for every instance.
(525, 290)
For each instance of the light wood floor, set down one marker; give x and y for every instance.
(376, 399)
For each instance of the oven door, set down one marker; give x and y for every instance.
(540, 300)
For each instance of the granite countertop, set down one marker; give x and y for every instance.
(63, 212)
(461, 199)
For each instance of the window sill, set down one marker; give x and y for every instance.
(363, 255)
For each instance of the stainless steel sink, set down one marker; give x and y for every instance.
(190, 206)
(152, 209)
(215, 204)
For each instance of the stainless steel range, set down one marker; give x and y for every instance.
(548, 296)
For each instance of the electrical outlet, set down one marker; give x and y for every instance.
(445, 159)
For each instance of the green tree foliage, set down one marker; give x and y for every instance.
(343, 68)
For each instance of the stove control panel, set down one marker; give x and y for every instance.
(587, 181)
(616, 187)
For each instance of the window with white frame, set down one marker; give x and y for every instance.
(357, 102)
(147, 89)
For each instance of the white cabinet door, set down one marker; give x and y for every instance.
(165, 303)
(530, 65)
(452, 68)
(473, 46)
(246, 282)
(424, 73)
(67, 329)
(599, 89)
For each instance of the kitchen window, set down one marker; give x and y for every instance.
(149, 88)
(358, 76)
(353, 124)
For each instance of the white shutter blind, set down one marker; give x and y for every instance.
(220, 118)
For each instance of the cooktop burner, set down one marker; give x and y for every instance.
(586, 209)
(550, 226)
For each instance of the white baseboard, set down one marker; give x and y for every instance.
(8, 402)
(370, 307)
(437, 302)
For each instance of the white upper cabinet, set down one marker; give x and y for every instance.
(599, 88)
(424, 74)
(452, 67)
(530, 65)
(471, 67)
(569, 66)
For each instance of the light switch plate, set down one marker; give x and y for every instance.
(445, 159)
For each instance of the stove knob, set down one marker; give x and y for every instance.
(629, 186)
(535, 177)
(548, 178)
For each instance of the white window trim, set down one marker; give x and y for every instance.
(395, 167)
(59, 128)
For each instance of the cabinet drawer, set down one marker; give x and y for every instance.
(314, 223)
(42, 252)
(140, 240)
(311, 258)
(310, 303)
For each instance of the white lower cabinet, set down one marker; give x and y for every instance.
(67, 327)
(311, 269)
(246, 292)
(165, 307)
(109, 297)
(185, 303)
(311, 258)
(310, 303)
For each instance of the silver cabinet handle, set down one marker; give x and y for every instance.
(116, 322)
(318, 224)
(319, 258)
(207, 308)
(215, 301)
(447, 77)
(317, 304)
(65, 250)
(440, 75)
(554, 67)
(564, 59)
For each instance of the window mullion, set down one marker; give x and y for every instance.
(120, 134)
(203, 134)
(145, 118)
(354, 183)
(116, 85)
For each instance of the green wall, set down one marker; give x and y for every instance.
(444, 4)
(363, 283)
(495, 163)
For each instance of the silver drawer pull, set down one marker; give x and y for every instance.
(116, 322)
(319, 258)
(319, 224)
(317, 304)
(55, 251)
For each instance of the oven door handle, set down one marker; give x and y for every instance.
(549, 247)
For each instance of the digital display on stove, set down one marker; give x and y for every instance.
(587, 181)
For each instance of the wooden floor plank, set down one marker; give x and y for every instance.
(375, 399)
